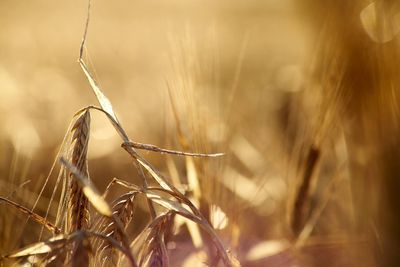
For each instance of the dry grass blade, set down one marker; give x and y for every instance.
(53, 251)
(89, 190)
(103, 100)
(154, 148)
(78, 212)
(85, 31)
(39, 219)
(167, 186)
(160, 180)
(114, 181)
(123, 209)
(171, 205)
(41, 247)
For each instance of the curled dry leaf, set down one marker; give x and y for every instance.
(103, 100)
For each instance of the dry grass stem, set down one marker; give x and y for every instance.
(39, 219)
(154, 148)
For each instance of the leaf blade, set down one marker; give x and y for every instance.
(89, 190)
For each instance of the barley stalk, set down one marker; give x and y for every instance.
(154, 252)
(123, 209)
(78, 212)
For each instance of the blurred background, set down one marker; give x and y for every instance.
(302, 96)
